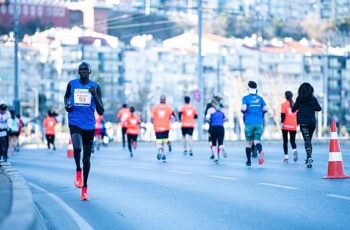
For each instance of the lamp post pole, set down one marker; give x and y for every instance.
(200, 73)
(16, 104)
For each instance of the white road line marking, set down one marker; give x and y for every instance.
(145, 168)
(180, 172)
(223, 177)
(79, 221)
(279, 186)
(339, 196)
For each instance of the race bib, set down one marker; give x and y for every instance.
(82, 97)
(133, 122)
(3, 134)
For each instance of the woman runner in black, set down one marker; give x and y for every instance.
(306, 105)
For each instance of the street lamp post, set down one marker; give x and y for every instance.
(200, 73)
(16, 104)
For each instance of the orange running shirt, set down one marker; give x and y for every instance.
(290, 122)
(133, 124)
(161, 115)
(123, 115)
(49, 124)
(188, 112)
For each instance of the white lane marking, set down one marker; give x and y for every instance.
(279, 186)
(145, 168)
(223, 177)
(339, 196)
(180, 172)
(79, 221)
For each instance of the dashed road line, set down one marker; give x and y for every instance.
(79, 221)
(279, 186)
(339, 196)
(223, 177)
(180, 172)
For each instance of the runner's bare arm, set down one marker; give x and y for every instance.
(97, 94)
(67, 105)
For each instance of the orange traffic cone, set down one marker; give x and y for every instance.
(70, 148)
(335, 161)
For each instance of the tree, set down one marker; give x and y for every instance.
(322, 31)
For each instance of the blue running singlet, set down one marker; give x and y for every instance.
(84, 105)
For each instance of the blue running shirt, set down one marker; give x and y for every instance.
(84, 105)
(254, 113)
(217, 118)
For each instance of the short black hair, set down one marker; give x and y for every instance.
(132, 109)
(187, 99)
(252, 85)
(84, 65)
(125, 105)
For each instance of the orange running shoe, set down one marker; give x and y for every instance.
(261, 158)
(84, 194)
(78, 179)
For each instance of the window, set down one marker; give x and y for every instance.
(40, 11)
(32, 11)
(3, 9)
(25, 10)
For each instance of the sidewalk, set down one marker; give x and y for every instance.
(5, 194)
(17, 207)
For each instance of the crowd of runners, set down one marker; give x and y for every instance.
(83, 103)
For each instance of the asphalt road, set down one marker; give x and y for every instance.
(188, 192)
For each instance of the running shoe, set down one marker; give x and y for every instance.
(261, 158)
(191, 153)
(285, 160)
(212, 156)
(309, 162)
(131, 155)
(216, 161)
(164, 158)
(84, 194)
(78, 179)
(224, 153)
(248, 163)
(295, 155)
(185, 152)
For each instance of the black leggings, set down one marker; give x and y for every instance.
(131, 138)
(285, 140)
(217, 134)
(123, 135)
(82, 139)
(4, 145)
(50, 140)
(307, 130)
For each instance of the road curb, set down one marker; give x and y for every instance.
(22, 213)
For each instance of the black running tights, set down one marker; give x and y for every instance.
(285, 140)
(307, 130)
